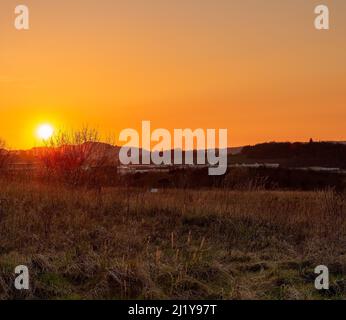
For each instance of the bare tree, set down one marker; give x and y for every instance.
(69, 155)
(4, 154)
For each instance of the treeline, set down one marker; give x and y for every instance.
(324, 154)
(239, 179)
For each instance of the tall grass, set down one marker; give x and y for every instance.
(129, 243)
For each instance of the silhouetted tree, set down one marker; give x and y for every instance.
(70, 155)
(4, 154)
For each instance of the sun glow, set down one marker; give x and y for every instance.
(45, 131)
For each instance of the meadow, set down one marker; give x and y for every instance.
(121, 243)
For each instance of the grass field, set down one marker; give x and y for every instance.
(183, 244)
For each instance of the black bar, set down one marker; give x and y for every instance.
(170, 309)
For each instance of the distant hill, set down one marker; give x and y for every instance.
(297, 154)
(324, 154)
(234, 150)
(97, 152)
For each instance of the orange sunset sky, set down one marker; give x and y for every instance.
(257, 68)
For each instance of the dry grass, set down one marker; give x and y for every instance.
(184, 244)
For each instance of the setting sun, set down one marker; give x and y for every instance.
(45, 131)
